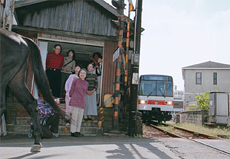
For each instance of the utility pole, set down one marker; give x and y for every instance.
(135, 70)
(131, 8)
(119, 4)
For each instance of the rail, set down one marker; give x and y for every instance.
(165, 132)
(194, 140)
(197, 134)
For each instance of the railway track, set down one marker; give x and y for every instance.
(165, 132)
(190, 135)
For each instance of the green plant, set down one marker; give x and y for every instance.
(194, 107)
(144, 127)
(202, 101)
(206, 130)
(138, 136)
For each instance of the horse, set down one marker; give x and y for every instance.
(15, 50)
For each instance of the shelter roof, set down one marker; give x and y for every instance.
(91, 17)
(102, 3)
(208, 65)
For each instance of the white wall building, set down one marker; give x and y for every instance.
(178, 97)
(207, 76)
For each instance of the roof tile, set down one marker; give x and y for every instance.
(208, 65)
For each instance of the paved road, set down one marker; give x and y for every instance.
(86, 148)
(106, 147)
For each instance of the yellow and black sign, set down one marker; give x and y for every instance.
(109, 100)
(101, 117)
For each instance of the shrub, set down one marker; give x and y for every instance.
(203, 101)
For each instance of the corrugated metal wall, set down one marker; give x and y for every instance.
(76, 16)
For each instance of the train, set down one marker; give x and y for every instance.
(155, 97)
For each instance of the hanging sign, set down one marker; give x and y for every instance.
(116, 54)
(135, 79)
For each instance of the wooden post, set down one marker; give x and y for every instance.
(1, 12)
(11, 16)
(8, 15)
(127, 57)
(115, 125)
(117, 82)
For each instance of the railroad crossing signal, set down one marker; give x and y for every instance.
(120, 5)
(119, 24)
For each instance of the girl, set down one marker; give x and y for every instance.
(67, 69)
(98, 72)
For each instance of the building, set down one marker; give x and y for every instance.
(208, 76)
(178, 98)
(82, 25)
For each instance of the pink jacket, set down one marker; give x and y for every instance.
(78, 93)
(68, 85)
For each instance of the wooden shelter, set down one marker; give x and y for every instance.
(82, 25)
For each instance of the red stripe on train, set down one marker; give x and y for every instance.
(155, 102)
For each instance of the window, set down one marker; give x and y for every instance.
(147, 88)
(215, 78)
(198, 77)
(156, 88)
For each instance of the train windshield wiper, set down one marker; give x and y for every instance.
(151, 92)
(162, 93)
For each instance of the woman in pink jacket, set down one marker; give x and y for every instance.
(68, 85)
(78, 92)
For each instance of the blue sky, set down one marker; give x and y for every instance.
(181, 33)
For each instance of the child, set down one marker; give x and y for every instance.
(98, 72)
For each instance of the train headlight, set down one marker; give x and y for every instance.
(169, 102)
(142, 101)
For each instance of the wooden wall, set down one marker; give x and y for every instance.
(75, 16)
(108, 69)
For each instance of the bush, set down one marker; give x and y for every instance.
(202, 101)
(194, 107)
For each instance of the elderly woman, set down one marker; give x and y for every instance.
(78, 92)
(68, 85)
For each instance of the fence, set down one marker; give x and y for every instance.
(198, 117)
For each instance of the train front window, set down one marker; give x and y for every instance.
(164, 88)
(156, 88)
(147, 88)
(161, 88)
(169, 90)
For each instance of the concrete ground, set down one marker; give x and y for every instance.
(86, 148)
(105, 147)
